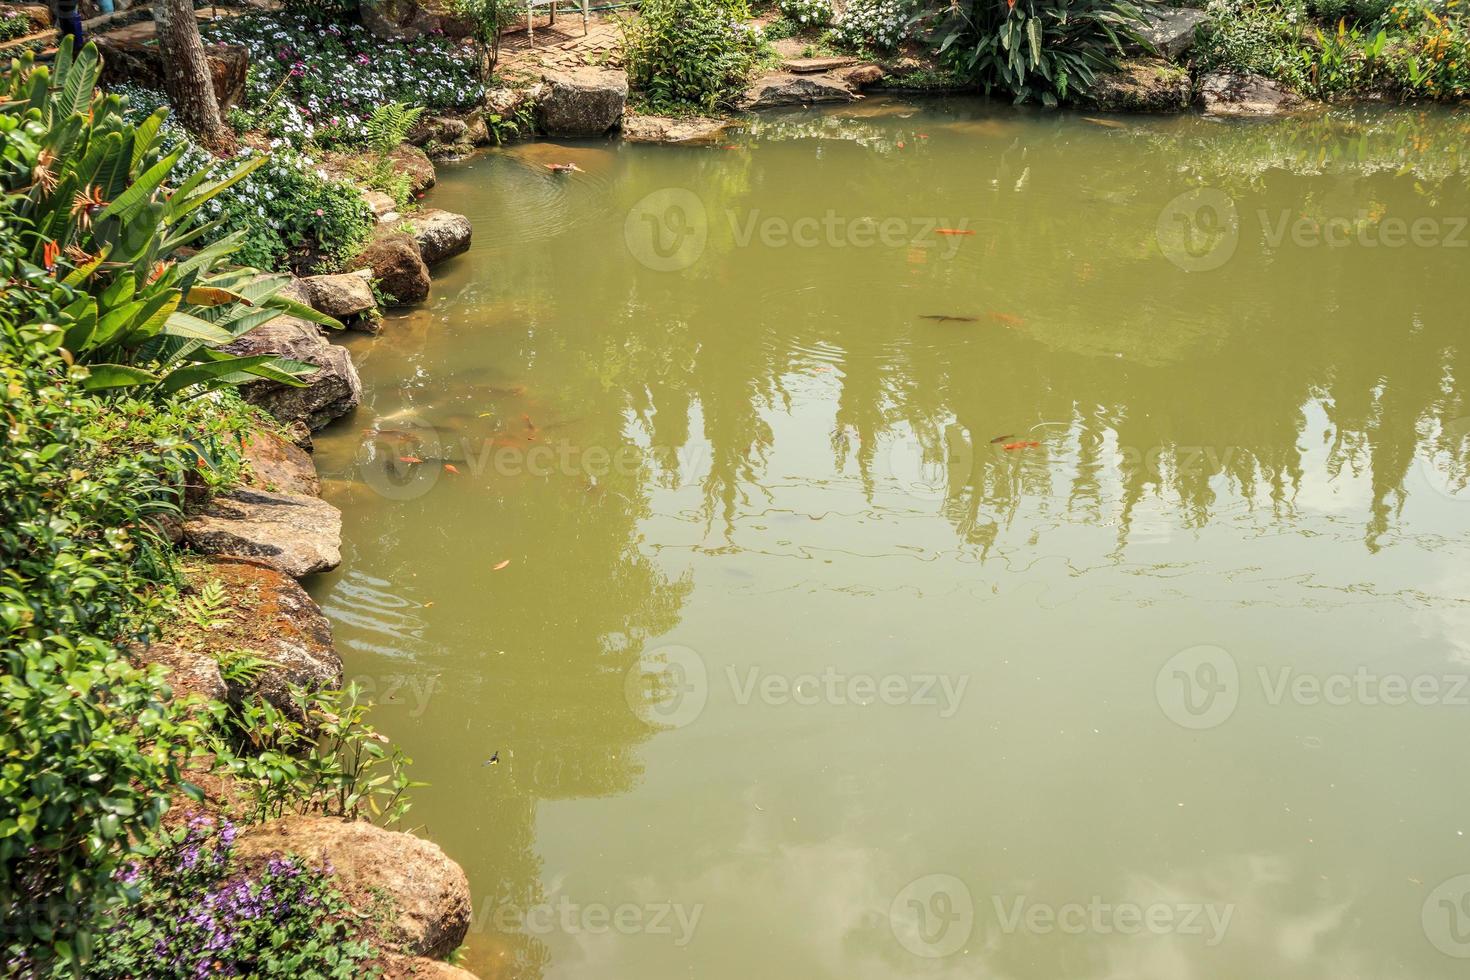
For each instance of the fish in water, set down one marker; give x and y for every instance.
(1108, 123)
(1006, 319)
(563, 168)
(953, 231)
(1003, 438)
(948, 318)
(1028, 444)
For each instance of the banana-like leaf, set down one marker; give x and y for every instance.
(145, 135)
(180, 324)
(116, 376)
(224, 370)
(180, 205)
(213, 296)
(142, 189)
(79, 275)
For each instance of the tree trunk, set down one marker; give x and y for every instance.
(186, 75)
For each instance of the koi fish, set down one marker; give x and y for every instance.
(1109, 123)
(947, 318)
(1007, 319)
(1027, 444)
(451, 468)
(1002, 438)
(563, 168)
(953, 231)
(409, 459)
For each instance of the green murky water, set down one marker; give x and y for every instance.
(1114, 626)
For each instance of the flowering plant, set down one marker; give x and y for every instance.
(877, 24)
(195, 913)
(807, 13)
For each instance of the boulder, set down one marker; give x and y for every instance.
(1228, 94)
(1169, 31)
(423, 968)
(268, 617)
(332, 391)
(409, 159)
(290, 532)
(137, 59)
(383, 207)
(508, 103)
(861, 76)
(278, 464)
(666, 129)
(397, 20)
(815, 66)
(343, 296)
(430, 894)
(1141, 85)
(583, 101)
(188, 672)
(398, 266)
(440, 234)
(442, 129)
(783, 88)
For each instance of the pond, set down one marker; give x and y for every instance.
(935, 539)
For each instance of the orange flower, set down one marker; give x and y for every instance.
(49, 254)
(86, 203)
(159, 268)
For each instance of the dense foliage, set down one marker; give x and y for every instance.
(1038, 49)
(1412, 49)
(690, 54)
(197, 912)
(875, 25)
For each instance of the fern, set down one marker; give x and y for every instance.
(390, 125)
(206, 608)
(242, 669)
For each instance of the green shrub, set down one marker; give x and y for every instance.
(1359, 11)
(806, 13)
(875, 25)
(1038, 49)
(1260, 39)
(91, 745)
(690, 54)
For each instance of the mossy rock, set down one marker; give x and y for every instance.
(1142, 85)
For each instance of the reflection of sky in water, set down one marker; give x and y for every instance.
(1262, 458)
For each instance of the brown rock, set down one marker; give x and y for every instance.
(276, 464)
(584, 101)
(440, 234)
(136, 59)
(665, 129)
(398, 266)
(290, 532)
(1141, 85)
(430, 892)
(409, 159)
(332, 391)
(423, 968)
(342, 296)
(39, 14)
(815, 66)
(403, 19)
(1227, 94)
(441, 129)
(380, 204)
(781, 88)
(860, 76)
(188, 672)
(271, 618)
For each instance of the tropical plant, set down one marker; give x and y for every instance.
(690, 54)
(89, 192)
(1038, 49)
(490, 17)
